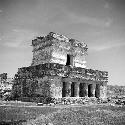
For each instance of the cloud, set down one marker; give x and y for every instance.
(113, 44)
(18, 38)
(108, 22)
(90, 20)
(1, 11)
(106, 5)
(68, 17)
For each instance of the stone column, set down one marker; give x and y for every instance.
(97, 91)
(68, 89)
(93, 90)
(85, 90)
(105, 91)
(76, 89)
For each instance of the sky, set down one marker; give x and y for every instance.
(98, 23)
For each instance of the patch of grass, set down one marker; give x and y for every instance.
(62, 115)
(15, 113)
(85, 115)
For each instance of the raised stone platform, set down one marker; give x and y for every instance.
(56, 80)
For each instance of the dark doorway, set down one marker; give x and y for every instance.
(90, 90)
(68, 60)
(97, 91)
(64, 89)
(72, 89)
(81, 90)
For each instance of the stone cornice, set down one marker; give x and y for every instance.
(54, 69)
(52, 35)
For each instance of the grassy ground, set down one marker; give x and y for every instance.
(84, 115)
(18, 114)
(29, 114)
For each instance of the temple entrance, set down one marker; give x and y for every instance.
(72, 89)
(64, 89)
(69, 60)
(90, 88)
(81, 91)
(97, 91)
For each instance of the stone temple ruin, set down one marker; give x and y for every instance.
(59, 70)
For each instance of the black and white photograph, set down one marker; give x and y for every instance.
(62, 62)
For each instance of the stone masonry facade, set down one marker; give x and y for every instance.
(59, 70)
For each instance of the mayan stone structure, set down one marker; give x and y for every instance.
(59, 70)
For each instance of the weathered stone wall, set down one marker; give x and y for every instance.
(56, 86)
(103, 91)
(43, 88)
(42, 50)
(54, 48)
(55, 59)
(61, 49)
(32, 87)
(49, 86)
(59, 53)
(45, 80)
(54, 69)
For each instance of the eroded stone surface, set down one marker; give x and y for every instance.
(58, 70)
(54, 48)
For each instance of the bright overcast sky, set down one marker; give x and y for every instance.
(98, 23)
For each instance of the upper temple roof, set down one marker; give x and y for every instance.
(53, 35)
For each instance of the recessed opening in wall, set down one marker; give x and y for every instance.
(90, 94)
(64, 89)
(69, 60)
(72, 89)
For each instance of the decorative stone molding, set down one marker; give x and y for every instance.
(54, 69)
